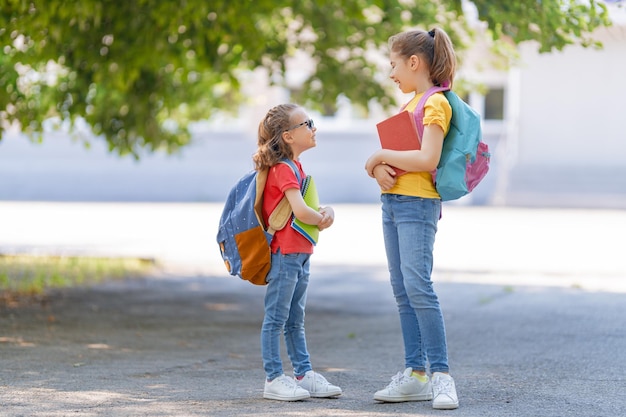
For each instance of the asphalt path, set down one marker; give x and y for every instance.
(534, 302)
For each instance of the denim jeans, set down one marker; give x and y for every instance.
(409, 228)
(285, 300)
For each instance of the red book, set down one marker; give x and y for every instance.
(399, 133)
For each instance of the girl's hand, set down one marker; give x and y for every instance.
(385, 176)
(372, 162)
(328, 218)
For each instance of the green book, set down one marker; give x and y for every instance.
(309, 194)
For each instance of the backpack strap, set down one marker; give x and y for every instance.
(293, 167)
(282, 213)
(418, 113)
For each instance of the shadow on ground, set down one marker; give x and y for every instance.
(189, 346)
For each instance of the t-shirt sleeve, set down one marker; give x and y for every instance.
(284, 177)
(437, 111)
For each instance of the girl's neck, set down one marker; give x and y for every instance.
(423, 84)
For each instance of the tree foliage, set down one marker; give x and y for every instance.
(139, 71)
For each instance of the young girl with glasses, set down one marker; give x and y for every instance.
(284, 133)
(411, 208)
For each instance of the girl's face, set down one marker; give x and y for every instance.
(402, 73)
(301, 133)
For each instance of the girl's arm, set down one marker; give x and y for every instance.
(423, 160)
(302, 212)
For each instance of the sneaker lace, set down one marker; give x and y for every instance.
(396, 380)
(443, 386)
(320, 380)
(287, 382)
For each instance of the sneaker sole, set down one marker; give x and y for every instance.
(280, 398)
(326, 394)
(269, 396)
(386, 399)
(446, 406)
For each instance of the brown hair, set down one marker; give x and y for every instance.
(271, 146)
(435, 47)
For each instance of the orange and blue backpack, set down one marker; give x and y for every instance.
(243, 237)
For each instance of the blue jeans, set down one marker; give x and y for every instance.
(409, 228)
(285, 300)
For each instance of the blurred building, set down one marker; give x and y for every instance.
(564, 133)
(553, 124)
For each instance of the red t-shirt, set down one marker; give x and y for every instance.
(280, 178)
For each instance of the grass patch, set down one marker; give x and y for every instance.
(33, 275)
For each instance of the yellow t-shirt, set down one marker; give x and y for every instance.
(437, 111)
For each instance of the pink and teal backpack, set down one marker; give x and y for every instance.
(465, 157)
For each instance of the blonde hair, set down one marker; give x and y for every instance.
(271, 146)
(435, 47)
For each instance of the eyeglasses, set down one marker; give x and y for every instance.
(309, 123)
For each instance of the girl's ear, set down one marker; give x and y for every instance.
(414, 62)
(287, 137)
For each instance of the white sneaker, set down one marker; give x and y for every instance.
(404, 387)
(444, 392)
(284, 388)
(318, 386)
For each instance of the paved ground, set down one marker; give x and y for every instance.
(533, 300)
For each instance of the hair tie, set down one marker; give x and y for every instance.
(432, 33)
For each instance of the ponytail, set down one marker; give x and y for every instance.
(443, 66)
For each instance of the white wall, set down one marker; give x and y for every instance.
(565, 134)
(572, 109)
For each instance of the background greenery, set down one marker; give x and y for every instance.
(139, 71)
(22, 275)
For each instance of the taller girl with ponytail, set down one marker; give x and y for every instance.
(411, 208)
